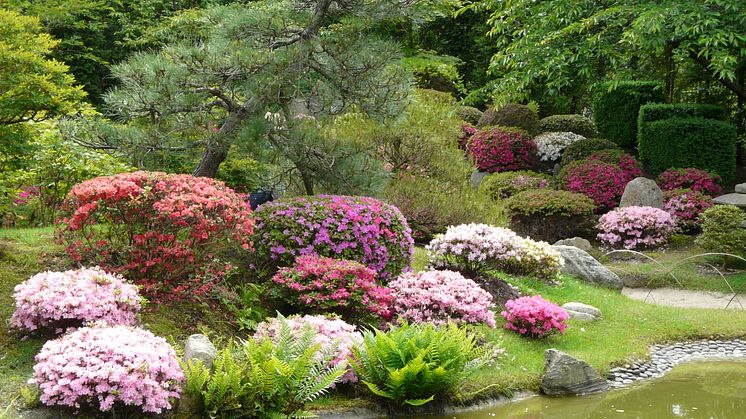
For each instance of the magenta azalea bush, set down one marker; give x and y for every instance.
(362, 229)
(685, 206)
(624, 161)
(534, 317)
(319, 284)
(467, 130)
(55, 301)
(439, 297)
(501, 149)
(99, 367)
(329, 331)
(690, 178)
(635, 228)
(602, 182)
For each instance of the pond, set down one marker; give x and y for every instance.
(696, 390)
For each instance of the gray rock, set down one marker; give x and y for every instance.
(642, 192)
(587, 310)
(565, 375)
(741, 188)
(737, 199)
(199, 347)
(578, 242)
(477, 177)
(582, 265)
(585, 317)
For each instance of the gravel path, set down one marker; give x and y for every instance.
(685, 298)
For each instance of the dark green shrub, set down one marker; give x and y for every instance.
(657, 111)
(690, 142)
(469, 114)
(722, 231)
(506, 184)
(550, 215)
(437, 72)
(616, 106)
(580, 150)
(569, 123)
(511, 115)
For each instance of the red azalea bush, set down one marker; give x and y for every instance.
(534, 317)
(690, 178)
(501, 149)
(685, 205)
(317, 284)
(161, 231)
(602, 182)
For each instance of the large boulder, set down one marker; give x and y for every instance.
(565, 375)
(199, 347)
(642, 192)
(578, 242)
(584, 266)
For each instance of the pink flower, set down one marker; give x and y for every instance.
(534, 317)
(690, 178)
(635, 228)
(499, 149)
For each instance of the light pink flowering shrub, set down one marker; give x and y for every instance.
(441, 296)
(59, 300)
(328, 332)
(534, 317)
(99, 367)
(685, 206)
(635, 228)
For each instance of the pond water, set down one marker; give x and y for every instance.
(697, 390)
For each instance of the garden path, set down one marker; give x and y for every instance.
(687, 298)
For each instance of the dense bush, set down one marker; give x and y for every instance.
(103, 367)
(362, 229)
(690, 142)
(467, 130)
(690, 178)
(469, 114)
(616, 106)
(551, 145)
(439, 297)
(317, 284)
(506, 184)
(534, 317)
(550, 215)
(577, 124)
(602, 182)
(437, 72)
(658, 111)
(511, 115)
(161, 231)
(685, 206)
(501, 149)
(476, 247)
(721, 230)
(581, 149)
(635, 228)
(624, 161)
(416, 364)
(56, 301)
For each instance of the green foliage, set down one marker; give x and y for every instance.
(511, 115)
(550, 215)
(243, 174)
(469, 114)
(722, 231)
(690, 142)
(265, 379)
(435, 72)
(503, 185)
(581, 149)
(657, 111)
(616, 106)
(411, 365)
(578, 124)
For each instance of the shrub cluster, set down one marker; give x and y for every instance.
(624, 161)
(550, 215)
(469, 114)
(551, 145)
(506, 184)
(362, 229)
(616, 106)
(581, 149)
(534, 317)
(690, 178)
(721, 230)
(634, 228)
(685, 206)
(511, 115)
(502, 149)
(439, 297)
(577, 124)
(603, 182)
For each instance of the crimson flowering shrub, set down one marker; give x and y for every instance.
(602, 182)
(361, 229)
(534, 317)
(501, 149)
(624, 161)
(467, 130)
(320, 284)
(439, 297)
(159, 230)
(329, 332)
(56, 301)
(98, 367)
(635, 228)
(690, 178)
(685, 206)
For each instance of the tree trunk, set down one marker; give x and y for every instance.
(217, 148)
(214, 155)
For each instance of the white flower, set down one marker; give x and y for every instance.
(552, 144)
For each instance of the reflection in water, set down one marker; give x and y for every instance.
(699, 390)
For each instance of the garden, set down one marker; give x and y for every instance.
(285, 209)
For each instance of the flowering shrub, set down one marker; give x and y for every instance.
(329, 331)
(467, 130)
(343, 227)
(475, 247)
(624, 161)
(635, 227)
(321, 284)
(102, 366)
(439, 297)
(158, 230)
(502, 149)
(59, 300)
(552, 144)
(505, 184)
(690, 178)
(602, 182)
(685, 206)
(534, 317)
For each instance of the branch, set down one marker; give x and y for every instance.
(320, 11)
(230, 104)
(729, 83)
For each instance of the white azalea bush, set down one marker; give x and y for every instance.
(552, 144)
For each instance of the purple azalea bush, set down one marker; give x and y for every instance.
(534, 317)
(634, 228)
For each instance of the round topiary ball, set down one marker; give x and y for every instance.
(511, 115)
(506, 184)
(577, 124)
(550, 215)
(469, 114)
(581, 149)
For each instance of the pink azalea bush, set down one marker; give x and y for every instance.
(361, 229)
(602, 182)
(534, 317)
(690, 178)
(59, 300)
(321, 284)
(624, 161)
(685, 206)
(501, 149)
(476, 247)
(329, 331)
(441, 296)
(635, 228)
(102, 366)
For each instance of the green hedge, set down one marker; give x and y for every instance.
(615, 108)
(657, 111)
(690, 142)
